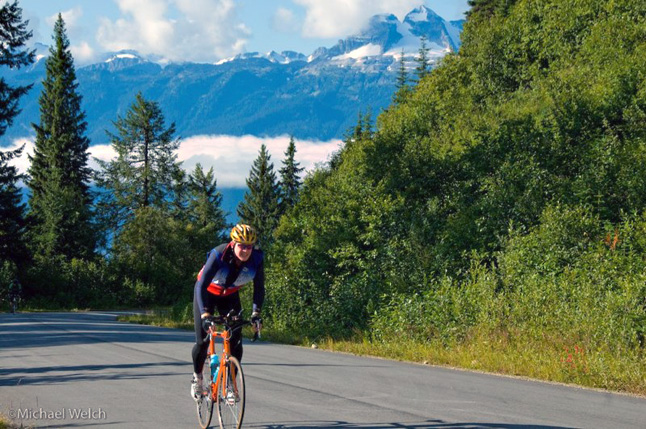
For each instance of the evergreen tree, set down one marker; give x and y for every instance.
(59, 176)
(13, 37)
(290, 181)
(402, 87)
(206, 218)
(12, 221)
(179, 196)
(423, 64)
(144, 172)
(260, 206)
(205, 201)
(361, 131)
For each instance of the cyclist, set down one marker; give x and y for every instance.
(15, 290)
(228, 267)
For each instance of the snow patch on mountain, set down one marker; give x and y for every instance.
(369, 50)
(422, 13)
(121, 56)
(284, 57)
(385, 37)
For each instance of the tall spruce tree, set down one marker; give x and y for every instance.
(13, 54)
(145, 169)
(205, 200)
(423, 62)
(13, 36)
(290, 181)
(60, 203)
(260, 206)
(179, 195)
(204, 210)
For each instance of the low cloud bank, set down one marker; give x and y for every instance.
(230, 156)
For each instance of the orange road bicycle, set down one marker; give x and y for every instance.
(224, 382)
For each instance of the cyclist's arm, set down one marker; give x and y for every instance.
(259, 287)
(208, 272)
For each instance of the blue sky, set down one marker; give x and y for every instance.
(209, 30)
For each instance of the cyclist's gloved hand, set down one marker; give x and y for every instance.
(256, 321)
(207, 320)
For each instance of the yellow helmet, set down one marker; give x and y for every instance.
(244, 234)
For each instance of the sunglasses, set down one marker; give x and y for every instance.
(245, 246)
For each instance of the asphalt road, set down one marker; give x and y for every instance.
(87, 370)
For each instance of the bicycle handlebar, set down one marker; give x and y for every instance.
(234, 323)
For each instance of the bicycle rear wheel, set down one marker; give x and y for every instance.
(231, 399)
(205, 403)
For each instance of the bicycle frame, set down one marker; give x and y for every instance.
(219, 383)
(227, 387)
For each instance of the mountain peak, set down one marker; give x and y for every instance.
(385, 37)
(421, 13)
(127, 54)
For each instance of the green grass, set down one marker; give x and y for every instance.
(156, 320)
(502, 353)
(549, 361)
(7, 423)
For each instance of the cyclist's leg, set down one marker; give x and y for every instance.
(200, 348)
(224, 305)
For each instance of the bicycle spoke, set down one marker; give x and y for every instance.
(231, 399)
(205, 403)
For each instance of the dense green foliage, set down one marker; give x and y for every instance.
(162, 223)
(484, 198)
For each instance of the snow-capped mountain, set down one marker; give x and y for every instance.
(316, 96)
(385, 38)
(284, 57)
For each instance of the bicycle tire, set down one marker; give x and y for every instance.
(231, 399)
(205, 403)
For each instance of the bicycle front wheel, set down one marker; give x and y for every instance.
(205, 402)
(231, 397)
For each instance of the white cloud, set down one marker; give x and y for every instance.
(340, 18)
(22, 163)
(179, 30)
(71, 18)
(83, 52)
(77, 33)
(230, 156)
(285, 21)
(103, 152)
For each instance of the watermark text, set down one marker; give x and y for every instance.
(59, 414)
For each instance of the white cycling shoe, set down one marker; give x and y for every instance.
(197, 388)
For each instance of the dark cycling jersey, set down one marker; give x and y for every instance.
(221, 276)
(15, 288)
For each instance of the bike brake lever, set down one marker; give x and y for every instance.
(256, 334)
